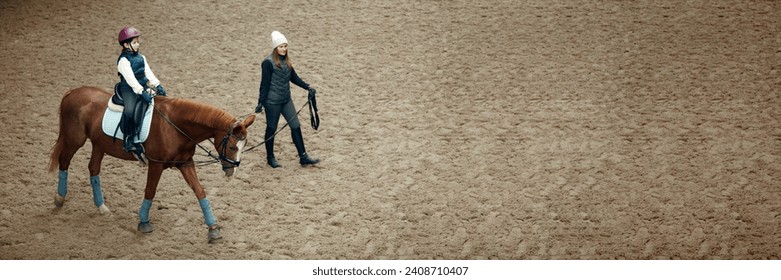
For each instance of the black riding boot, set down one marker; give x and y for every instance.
(272, 161)
(138, 121)
(127, 132)
(298, 140)
(128, 143)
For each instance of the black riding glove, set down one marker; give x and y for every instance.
(312, 92)
(259, 108)
(147, 95)
(160, 90)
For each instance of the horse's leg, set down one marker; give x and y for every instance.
(94, 180)
(64, 161)
(62, 188)
(154, 172)
(188, 172)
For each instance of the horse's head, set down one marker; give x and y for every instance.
(232, 144)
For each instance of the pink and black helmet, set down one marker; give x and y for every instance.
(128, 32)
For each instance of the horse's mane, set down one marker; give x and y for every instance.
(199, 112)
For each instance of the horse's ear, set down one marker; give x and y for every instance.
(249, 120)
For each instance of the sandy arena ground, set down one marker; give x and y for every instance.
(450, 130)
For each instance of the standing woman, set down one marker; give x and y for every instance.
(136, 81)
(277, 74)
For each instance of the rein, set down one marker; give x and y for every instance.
(314, 119)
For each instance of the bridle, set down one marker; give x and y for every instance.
(224, 148)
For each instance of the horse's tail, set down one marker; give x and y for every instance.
(54, 159)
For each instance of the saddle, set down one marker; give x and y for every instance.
(113, 118)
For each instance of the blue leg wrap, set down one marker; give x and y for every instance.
(97, 193)
(208, 216)
(62, 184)
(143, 213)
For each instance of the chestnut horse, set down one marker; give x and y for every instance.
(171, 143)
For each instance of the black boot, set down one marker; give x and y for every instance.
(127, 144)
(298, 140)
(127, 132)
(272, 161)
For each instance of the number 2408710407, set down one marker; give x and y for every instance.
(435, 270)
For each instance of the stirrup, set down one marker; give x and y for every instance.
(139, 153)
(141, 157)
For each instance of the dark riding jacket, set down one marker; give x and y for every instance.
(141, 73)
(275, 81)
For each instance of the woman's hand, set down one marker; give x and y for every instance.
(312, 92)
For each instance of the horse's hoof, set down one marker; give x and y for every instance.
(59, 201)
(104, 210)
(214, 234)
(145, 227)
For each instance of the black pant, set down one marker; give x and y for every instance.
(288, 110)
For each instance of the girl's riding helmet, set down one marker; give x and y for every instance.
(128, 32)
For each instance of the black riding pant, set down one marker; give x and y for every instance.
(273, 111)
(287, 109)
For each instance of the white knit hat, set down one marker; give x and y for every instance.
(277, 39)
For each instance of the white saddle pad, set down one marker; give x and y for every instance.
(111, 121)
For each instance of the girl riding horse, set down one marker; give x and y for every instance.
(136, 83)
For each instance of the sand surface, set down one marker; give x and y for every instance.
(450, 130)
